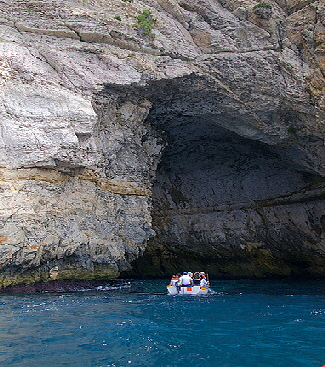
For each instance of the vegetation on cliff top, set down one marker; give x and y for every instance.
(263, 5)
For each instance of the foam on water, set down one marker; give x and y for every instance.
(113, 287)
(239, 324)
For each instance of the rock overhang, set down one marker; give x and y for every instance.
(284, 124)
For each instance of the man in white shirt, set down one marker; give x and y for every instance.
(185, 280)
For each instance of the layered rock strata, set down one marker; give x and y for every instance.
(203, 136)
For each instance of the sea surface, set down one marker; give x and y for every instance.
(135, 323)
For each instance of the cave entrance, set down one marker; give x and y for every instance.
(228, 197)
(226, 204)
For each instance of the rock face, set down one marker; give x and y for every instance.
(198, 143)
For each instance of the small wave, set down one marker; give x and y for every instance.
(113, 287)
(215, 293)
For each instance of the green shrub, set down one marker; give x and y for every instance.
(145, 22)
(118, 17)
(263, 5)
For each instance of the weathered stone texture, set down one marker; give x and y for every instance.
(208, 131)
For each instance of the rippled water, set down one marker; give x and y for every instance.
(241, 324)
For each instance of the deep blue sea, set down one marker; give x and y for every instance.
(241, 323)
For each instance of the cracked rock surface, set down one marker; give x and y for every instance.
(197, 144)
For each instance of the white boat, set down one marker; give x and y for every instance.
(195, 290)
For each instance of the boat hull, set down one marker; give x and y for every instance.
(191, 291)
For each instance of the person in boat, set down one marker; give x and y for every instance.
(203, 282)
(185, 280)
(196, 278)
(174, 280)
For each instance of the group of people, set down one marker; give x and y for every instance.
(188, 279)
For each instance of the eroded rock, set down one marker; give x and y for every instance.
(205, 136)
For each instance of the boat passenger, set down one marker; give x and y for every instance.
(203, 282)
(174, 281)
(185, 280)
(196, 278)
(178, 275)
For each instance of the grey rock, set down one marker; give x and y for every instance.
(241, 13)
(263, 12)
(203, 138)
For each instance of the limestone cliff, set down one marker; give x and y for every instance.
(192, 132)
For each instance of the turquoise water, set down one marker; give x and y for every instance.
(241, 324)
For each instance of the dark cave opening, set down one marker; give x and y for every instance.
(205, 167)
(227, 196)
(228, 204)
